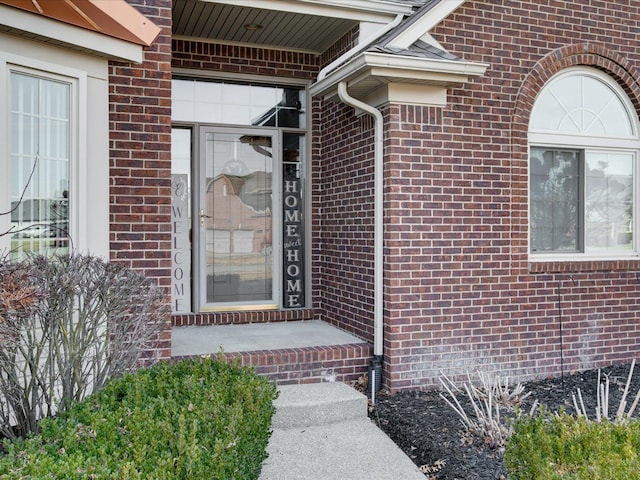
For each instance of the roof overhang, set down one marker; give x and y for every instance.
(109, 28)
(420, 24)
(305, 26)
(367, 73)
(377, 11)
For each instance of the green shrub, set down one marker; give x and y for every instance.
(196, 419)
(565, 447)
(69, 323)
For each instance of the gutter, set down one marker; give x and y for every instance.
(375, 371)
(357, 65)
(434, 71)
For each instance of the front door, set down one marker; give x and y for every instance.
(235, 221)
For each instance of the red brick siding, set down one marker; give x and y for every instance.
(342, 363)
(341, 46)
(140, 163)
(213, 58)
(234, 318)
(342, 185)
(343, 248)
(462, 292)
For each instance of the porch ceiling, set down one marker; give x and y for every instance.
(307, 26)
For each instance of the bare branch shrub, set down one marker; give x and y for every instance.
(485, 401)
(602, 396)
(17, 293)
(85, 322)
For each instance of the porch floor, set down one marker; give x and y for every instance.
(289, 352)
(205, 340)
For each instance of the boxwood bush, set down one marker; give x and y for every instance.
(196, 419)
(567, 448)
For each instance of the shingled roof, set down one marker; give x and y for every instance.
(417, 49)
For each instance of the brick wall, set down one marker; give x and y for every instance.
(343, 182)
(343, 45)
(213, 58)
(140, 162)
(342, 363)
(462, 292)
(343, 259)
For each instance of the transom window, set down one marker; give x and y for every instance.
(583, 142)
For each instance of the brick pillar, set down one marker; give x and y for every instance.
(140, 159)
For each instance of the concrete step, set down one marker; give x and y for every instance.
(313, 404)
(292, 352)
(321, 431)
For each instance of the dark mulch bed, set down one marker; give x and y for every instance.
(431, 433)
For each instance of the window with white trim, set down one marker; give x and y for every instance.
(40, 123)
(583, 178)
(54, 160)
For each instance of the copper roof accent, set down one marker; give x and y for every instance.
(115, 18)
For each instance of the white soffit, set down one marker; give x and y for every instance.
(424, 24)
(360, 10)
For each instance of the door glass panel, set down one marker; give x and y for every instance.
(236, 218)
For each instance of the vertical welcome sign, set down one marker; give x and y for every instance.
(293, 238)
(180, 247)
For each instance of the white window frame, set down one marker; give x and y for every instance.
(72, 83)
(77, 83)
(558, 140)
(88, 168)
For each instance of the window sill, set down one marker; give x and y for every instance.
(573, 264)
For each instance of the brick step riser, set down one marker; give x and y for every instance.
(341, 363)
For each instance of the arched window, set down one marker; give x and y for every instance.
(583, 146)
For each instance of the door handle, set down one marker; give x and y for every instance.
(203, 216)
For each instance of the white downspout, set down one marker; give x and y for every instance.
(378, 242)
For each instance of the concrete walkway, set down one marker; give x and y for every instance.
(321, 431)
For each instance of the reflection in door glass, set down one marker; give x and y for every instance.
(237, 219)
